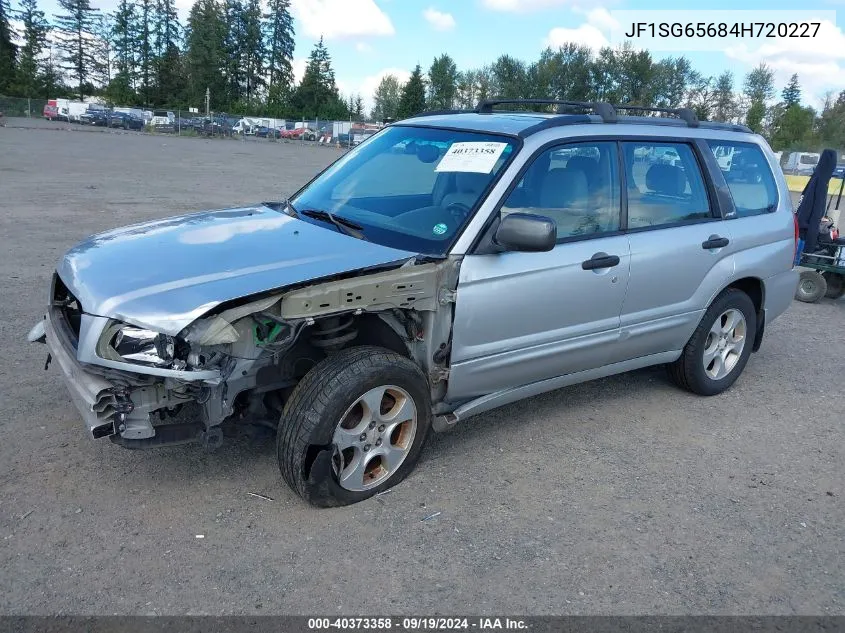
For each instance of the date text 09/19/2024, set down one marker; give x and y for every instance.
(417, 624)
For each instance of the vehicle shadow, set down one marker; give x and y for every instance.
(253, 449)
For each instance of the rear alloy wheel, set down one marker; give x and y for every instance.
(811, 286)
(835, 285)
(354, 426)
(719, 349)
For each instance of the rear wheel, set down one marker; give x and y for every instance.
(354, 426)
(835, 285)
(811, 286)
(719, 348)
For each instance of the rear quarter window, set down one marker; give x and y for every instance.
(748, 176)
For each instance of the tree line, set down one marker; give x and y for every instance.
(235, 51)
(622, 75)
(242, 55)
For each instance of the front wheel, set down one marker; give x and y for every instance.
(719, 348)
(354, 426)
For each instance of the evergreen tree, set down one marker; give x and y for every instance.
(317, 95)
(8, 50)
(358, 109)
(101, 69)
(76, 40)
(386, 98)
(124, 47)
(792, 92)
(35, 29)
(413, 96)
(146, 53)
(253, 52)
(278, 34)
(234, 50)
(442, 83)
(206, 53)
(167, 64)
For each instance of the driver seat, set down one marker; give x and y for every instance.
(468, 188)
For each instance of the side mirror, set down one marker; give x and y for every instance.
(526, 232)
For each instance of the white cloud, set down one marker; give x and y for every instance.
(363, 47)
(586, 34)
(600, 18)
(591, 33)
(524, 6)
(438, 20)
(338, 19)
(817, 72)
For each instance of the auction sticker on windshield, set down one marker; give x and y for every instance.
(477, 158)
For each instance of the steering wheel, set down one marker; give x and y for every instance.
(459, 211)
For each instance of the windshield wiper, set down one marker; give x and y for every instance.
(343, 225)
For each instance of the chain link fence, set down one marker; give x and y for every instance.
(76, 115)
(23, 108)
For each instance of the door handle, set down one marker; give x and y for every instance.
(600, 260)
(715, 242)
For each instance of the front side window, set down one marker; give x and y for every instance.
(665, 185)
(748, 176)
(575, 185)
(410, 188)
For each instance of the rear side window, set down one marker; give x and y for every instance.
(665, 185)
(748, 175)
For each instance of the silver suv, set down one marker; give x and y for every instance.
(450, 264)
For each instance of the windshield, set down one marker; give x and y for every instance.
(410, 188)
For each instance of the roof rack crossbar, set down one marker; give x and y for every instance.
(605, 110)
(685, 114)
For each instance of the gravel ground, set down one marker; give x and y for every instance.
(622, 496)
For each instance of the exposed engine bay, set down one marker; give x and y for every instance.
(240, 362)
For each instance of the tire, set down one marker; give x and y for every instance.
(328, 402)
(704, 375)
(835, 285)
(811, 286)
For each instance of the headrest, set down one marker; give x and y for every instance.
(562, 187)
(666, 179)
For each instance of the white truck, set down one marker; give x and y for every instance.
(803, 163)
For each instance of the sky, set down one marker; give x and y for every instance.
(368, 39)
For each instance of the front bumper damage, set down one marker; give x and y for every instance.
(111, 407)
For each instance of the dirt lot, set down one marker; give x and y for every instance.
(622, 496)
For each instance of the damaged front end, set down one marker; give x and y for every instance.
(240, 362)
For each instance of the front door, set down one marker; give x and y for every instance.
(525, 317)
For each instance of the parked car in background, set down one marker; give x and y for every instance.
(96, 116)
(126, 121)
(801, 163)
(162, 118)
(266, 132)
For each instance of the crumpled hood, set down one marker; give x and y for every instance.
(165, 274)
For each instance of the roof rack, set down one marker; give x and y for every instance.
(685, 114)
(607, 111)
(604, 110)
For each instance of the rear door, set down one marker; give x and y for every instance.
(679, 247)
(525, 317)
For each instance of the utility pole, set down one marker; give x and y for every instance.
(207, 100)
